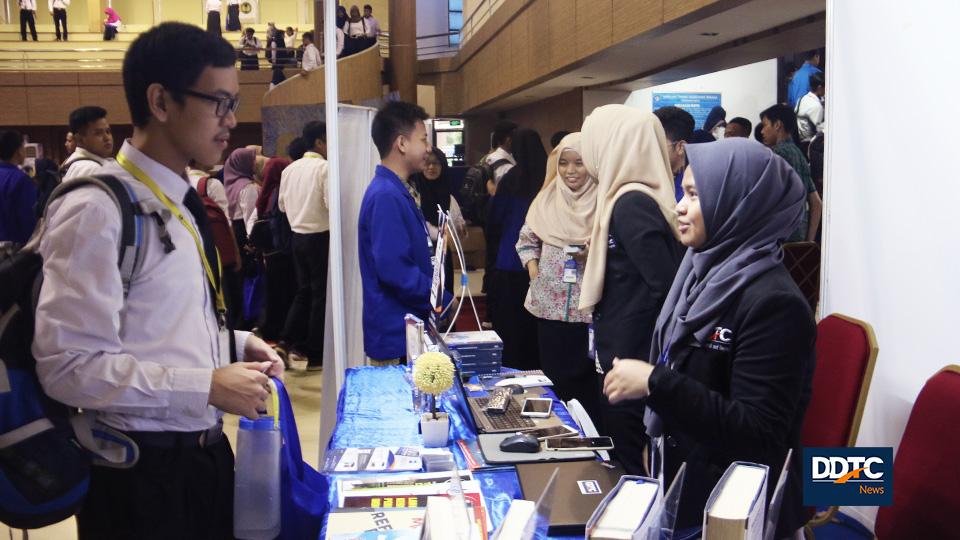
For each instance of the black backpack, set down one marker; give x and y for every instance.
(473, 193)
(271, 233)
(47, 448)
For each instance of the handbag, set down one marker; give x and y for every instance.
(304, 492)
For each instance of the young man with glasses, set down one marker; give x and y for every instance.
(155, 362)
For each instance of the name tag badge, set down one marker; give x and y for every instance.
(223, 336)
(570, 271)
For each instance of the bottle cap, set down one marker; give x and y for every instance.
(264, 423)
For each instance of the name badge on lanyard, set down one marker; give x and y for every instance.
(570, 271)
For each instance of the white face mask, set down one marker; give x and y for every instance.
(719, 131)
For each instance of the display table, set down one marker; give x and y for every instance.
(375, 408)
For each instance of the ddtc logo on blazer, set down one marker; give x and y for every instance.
(721, 339)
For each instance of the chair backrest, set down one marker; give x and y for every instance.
(926, 474)
(802, 260)
(846, 353)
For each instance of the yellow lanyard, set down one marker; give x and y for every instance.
(138, 173)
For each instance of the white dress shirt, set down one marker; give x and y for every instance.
(373, 26)
(311, 57)
(809, 116)
(496, 156)
(215, 189)
(340, 39)
(144, 363)
(214, 5)
(303, 194)
(290, 40)
(79, 164)
(355, 29)
(57, 4)
(28, 5)
(247, 203)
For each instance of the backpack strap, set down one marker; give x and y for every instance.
(66, 166)
(202, 186)
(131, 220)
(498, 163)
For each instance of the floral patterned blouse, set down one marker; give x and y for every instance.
(549, 297)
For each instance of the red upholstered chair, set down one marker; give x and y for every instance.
(846, 353)
(802, 260)
(926, 473)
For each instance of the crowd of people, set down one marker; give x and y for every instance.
(640, 270)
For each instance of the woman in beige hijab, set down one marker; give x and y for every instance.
(552, 247)
(635, 252)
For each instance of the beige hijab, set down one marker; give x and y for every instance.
(626, 150)
(559, 215)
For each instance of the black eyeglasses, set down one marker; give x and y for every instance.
(225, 104)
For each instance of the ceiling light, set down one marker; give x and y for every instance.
(588, 78)
(709, 34)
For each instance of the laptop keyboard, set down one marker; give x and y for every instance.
(509, 420)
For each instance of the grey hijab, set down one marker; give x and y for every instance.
(751, 200)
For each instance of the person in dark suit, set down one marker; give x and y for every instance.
(730, 368)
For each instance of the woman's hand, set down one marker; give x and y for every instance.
(629, 379)
(581, 256)
(533, 268)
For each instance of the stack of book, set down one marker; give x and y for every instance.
(476, 353)
(736, 508)
(394, 507)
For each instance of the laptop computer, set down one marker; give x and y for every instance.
(579, 488)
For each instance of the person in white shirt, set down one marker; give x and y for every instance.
(214, 186)
(303, 197)
(249, 46)
(311, 54)
(58, 9)
(502, 142)
(290, 37)
(213, 16)
(154, 363)
(28, 16)
(810, 113)
(371, 23)
(93, 140)
(356, 27)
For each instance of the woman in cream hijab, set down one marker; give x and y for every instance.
(635, 252)
(552, 247)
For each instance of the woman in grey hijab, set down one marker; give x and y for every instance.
(730, 368)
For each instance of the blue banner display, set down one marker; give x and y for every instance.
(696, 103)
(848, 476)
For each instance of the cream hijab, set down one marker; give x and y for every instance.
(558, 215)
(626, 150)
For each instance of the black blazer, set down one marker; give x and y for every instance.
(741, 396)
(642, 259)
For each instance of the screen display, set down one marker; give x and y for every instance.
(580, 442)
(537, 405)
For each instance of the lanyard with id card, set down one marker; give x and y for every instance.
(570, 265)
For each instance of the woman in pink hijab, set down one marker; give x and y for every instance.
(111, 24)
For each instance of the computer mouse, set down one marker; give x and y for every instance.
(514, 388)
(521, 442)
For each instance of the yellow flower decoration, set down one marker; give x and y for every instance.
(433, 373)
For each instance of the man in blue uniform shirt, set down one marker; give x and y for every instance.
(800, 83)
(395, 264)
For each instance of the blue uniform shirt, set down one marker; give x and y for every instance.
(395, 264)
(18, 196)
(800, 84)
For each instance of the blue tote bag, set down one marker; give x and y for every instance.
(303, 490)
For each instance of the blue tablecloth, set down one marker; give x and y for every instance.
(375, 408)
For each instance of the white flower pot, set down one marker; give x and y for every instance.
(435, 431)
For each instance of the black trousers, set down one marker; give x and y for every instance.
(623, 422)
(281, 286)
(233, 17)
(170, 493)
(213, 22)
(307, 318)
(109, 32)
(28, 17)
(249, 62)
(60, 19)
(512, 322)
(564, 357)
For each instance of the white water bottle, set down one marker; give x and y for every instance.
(256, 484)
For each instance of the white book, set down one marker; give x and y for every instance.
(628, 512)
(736, 507)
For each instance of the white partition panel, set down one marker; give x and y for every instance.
(892, 221)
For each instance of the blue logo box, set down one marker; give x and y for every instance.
(848, 476)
